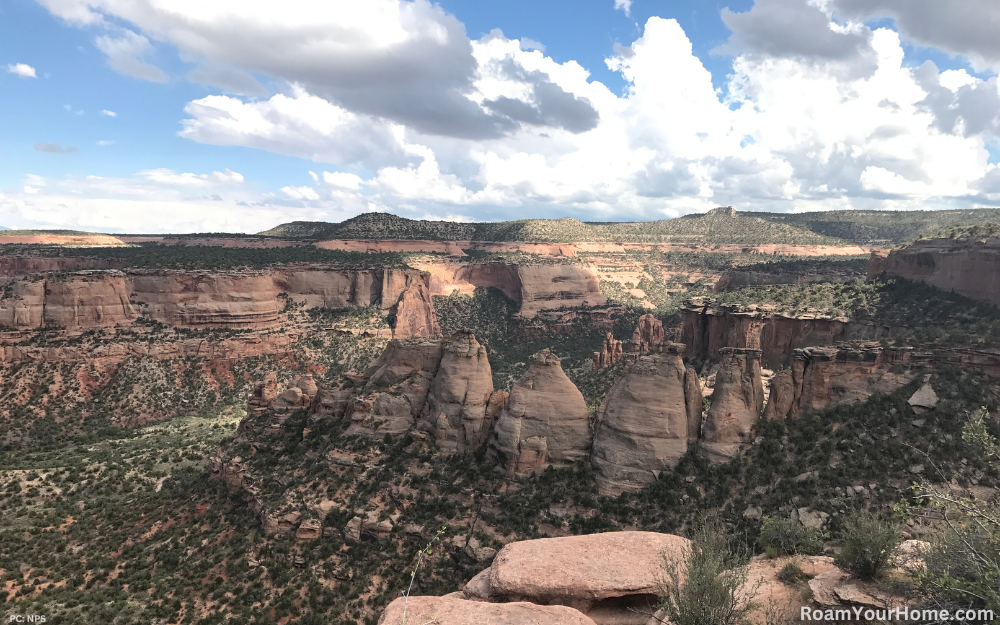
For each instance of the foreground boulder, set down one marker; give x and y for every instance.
(456, 611)
(546, 421)
(737, 401)
(612, 577)
(645, 423)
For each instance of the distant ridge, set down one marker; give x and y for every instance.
(724, 225)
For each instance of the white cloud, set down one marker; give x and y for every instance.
(815, 113)
(22, 70)
(624, 5)
(109, 113)
(104, 142)
(126, 55)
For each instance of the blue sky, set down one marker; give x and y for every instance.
(426, 111)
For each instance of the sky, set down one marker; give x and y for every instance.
(149, 116)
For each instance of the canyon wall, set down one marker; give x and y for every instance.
(969, 267)
(705, 329)
(83, 300)
(821, 377)
(532, 287)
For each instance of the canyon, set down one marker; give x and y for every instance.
(968, 266)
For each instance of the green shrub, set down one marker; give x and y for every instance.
(792, 574)
(869, 543)
(714, 574)
(782, 537)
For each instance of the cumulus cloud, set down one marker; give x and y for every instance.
(22, 70)
(791, 28)
(109, 113)
(55, 148)
(408, 62)
(967, 28)
(125, 55)
(819, 111)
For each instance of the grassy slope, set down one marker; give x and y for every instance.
(717, 226)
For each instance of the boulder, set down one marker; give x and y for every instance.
(546, 421)
(612, 577)
(478, 588)
(455, 411)
(643, 425)
(456, 611)
(837, 588)
(737, 401)
(310, 529)
(924, 400)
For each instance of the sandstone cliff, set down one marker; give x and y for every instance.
(533, 287)
(546, 421)
(645, 422)
(969, 267)
(737, 401)
(647, 336)
(611, 352)
(455, 413)
(705, 329)
(86, 300)
(827, 376)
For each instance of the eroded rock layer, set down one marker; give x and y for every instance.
(970, 267)
(546, 421)
(645, 422)
(828, 376)
(737, 401)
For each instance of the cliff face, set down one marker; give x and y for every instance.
(737, 401)
(827, 376)
(970, 267)
(533, 287)
(455, 414)
(706, 329)
(86, 300)
(546, 421)
(644, 425)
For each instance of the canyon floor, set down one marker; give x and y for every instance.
(270, 429)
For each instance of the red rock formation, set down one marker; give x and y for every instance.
(532, 287)
(88, 300)
(828, 376)
(643, 426)
(546, 421)
(457, 611)
(263, 394)
(705, 329)
(611, 352)
(970, 267)
(612, 577)
(737, 401)
(695, 406)
(455, 413)
(647, 335)
(414, 310)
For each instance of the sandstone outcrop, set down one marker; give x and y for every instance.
(693, 397)
(299, 394)
(84, 300)
(705, 329)
(611, 577)
(969, 266)
(457, 611)
(546, 421)
(456, 414)
(645, 422)
(532, 287)
(611, 352)
(924, 399)
(392, 392)
(737, 401)
(828, 376)
(647, 335)
(263, 394)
